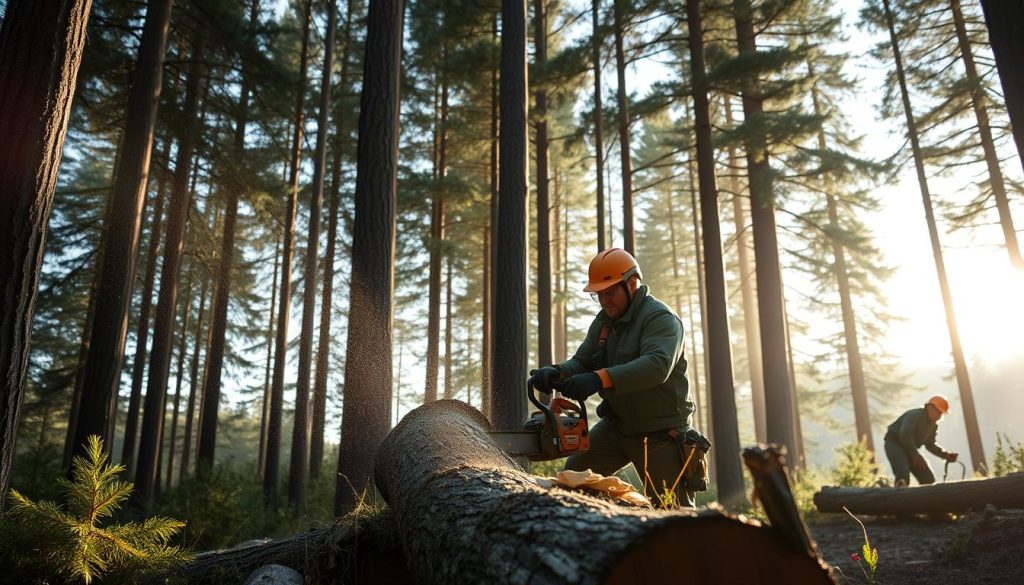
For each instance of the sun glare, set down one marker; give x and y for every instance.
(987, 294)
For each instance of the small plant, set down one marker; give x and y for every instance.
(1009, 458)
(855, 465)
(867, 558)
(43, 542)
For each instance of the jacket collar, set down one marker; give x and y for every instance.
(641, 294)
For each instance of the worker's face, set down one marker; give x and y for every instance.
(614, 299)
(934, 414)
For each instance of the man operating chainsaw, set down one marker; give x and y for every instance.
(914, 428)
(633, 359)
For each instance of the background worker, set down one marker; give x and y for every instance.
(633, 358)
(916, 427)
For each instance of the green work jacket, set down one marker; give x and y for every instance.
(643, 356)
(913, 429)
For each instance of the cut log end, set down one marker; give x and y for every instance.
(714, 548)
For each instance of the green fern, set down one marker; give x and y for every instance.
(54, 544)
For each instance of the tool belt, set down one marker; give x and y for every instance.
(693, 448)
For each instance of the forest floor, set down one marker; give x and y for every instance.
(983, 547)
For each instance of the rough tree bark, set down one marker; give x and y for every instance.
(723, 394)
(954, 497)
(491, 243)
(467, 514)
(121, 233)
(367, 395)
(508, 366)
(41, 46)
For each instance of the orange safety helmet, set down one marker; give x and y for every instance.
(611, 267)
(940, 402)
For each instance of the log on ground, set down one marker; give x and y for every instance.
(355, 549)
(953, 497)
(466, 513)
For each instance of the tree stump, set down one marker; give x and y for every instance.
(466, 513)
(941, 498)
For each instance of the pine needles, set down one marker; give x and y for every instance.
(48, 543)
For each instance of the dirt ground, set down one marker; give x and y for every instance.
(985, 547)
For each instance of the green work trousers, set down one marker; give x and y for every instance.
(610, 451)
(901, 465)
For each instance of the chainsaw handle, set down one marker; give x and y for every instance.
(546, 409)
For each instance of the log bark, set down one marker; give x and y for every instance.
(352, 550)
(466, 513)
(954, 497)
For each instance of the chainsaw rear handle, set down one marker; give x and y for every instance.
(531, 392)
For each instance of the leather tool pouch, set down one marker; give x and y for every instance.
(693, 448)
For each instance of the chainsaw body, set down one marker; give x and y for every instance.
(561, 427)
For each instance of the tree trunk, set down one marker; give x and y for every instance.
(598, 122)
(352, 550)
(1005, 22)
(222, 292)
(558, 302)
(323, 351)
(780, 426)
(179, 378)
(298, 475)
(41, 44)
(271, 466)
(193, 384)
(540, 33)
(491, 245)
(462, 489)
(437, 235)
(76, 392)
(448, 387)
(131, 424)
(726, 428)
(750, 316)
(702, 306)
(265, 417)
(367, 395)
(154, 411)
(978, 101)
(628, 238)
(508, 369)
(855, 365)
(121, 233)
(955, 497)
(959, 362)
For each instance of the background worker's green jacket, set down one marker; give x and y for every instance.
(644, 358)
(913, 429)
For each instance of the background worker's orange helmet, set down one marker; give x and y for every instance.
(939, 401)
(611, 267)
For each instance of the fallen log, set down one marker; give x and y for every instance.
(466, 513)
(953, 497)
(355, 549)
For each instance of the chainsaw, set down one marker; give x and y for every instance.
(555, 430)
